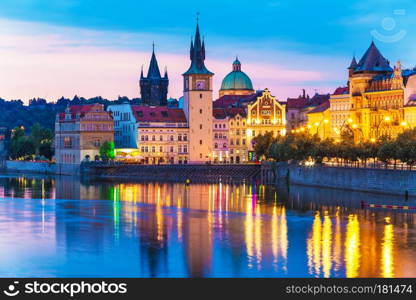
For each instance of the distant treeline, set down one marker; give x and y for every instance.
(15, 113)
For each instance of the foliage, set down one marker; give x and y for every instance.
(38, 143)
(262, 144)
(107, 150)
(302, 147)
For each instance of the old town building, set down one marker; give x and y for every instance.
(162, 135)
(80, 131)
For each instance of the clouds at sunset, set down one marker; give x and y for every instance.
(76, 48)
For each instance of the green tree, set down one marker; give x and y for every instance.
(322, 149)
(387, 152)
(107, 150)
(262, 144)
(40, 135)
(46, 149)
(281, 150)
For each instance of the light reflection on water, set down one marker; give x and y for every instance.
(62, 227)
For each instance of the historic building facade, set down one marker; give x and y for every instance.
(162, 135)
(154, 87)
(80, 131)
(125, 126)
(197, 103)
(378, 101)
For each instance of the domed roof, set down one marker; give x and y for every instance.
(237, 79)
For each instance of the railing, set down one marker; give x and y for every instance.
(372, 165)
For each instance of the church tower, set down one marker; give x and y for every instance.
(198, 103)
(154, 87)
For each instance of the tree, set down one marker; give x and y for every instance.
(46, 149)
(39, 136)
(387, 152)
(322, 149)
(262, 144)
(281, 150)
(107, 151)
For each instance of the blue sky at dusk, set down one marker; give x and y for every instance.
(87, 47)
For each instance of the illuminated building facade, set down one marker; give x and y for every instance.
(197, 102)
(246, 117)
(162, 135)
(80, 131)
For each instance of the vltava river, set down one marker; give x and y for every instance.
(59, 226)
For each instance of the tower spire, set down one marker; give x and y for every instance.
(197, 53)
(153, 71)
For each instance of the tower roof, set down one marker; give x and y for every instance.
(197, 54)
(153, 71)
(373, 61)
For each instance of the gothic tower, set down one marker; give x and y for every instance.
(198, 103)
(154, 87)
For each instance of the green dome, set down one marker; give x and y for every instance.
(237, 79)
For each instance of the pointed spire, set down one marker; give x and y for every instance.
(236, 65)
(197, 54)
(353, 64)
(166, 72)
(153, 71)
(141, 73)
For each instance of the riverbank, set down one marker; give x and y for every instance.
(172, 173)
(394, 182)
(37, 167)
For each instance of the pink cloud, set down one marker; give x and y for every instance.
(54, 62)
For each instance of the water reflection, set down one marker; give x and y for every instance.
(75, 228)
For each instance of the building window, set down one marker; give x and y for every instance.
(185, 137)
(153, 149)
(171, 137)
(160, 149)
(153, 138)
(200, 96)
(216, 135)
(200, 126)
(161, 138)
(171, 148)
(179, 137)
(67, 142)
(224, 145)
(200, 142)
(185, 149)
(216, 146)
(200, 111)
(215, 126)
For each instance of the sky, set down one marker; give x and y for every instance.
(90, 48)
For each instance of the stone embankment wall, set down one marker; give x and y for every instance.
(42, 167)
(359, 179)
(173, 173)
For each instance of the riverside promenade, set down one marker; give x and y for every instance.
(385, 181)
(201, 173)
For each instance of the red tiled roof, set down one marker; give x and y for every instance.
(296, 102)
(158, 114)
(77, 109)
(229, 100)
(411, 102)
(320, 108)
(222, 113)
(341, 90)
(219, 113)
(318, 99)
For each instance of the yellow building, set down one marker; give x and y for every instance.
(246, 117)
(377, 101)
(266, 114)
(319, 121)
